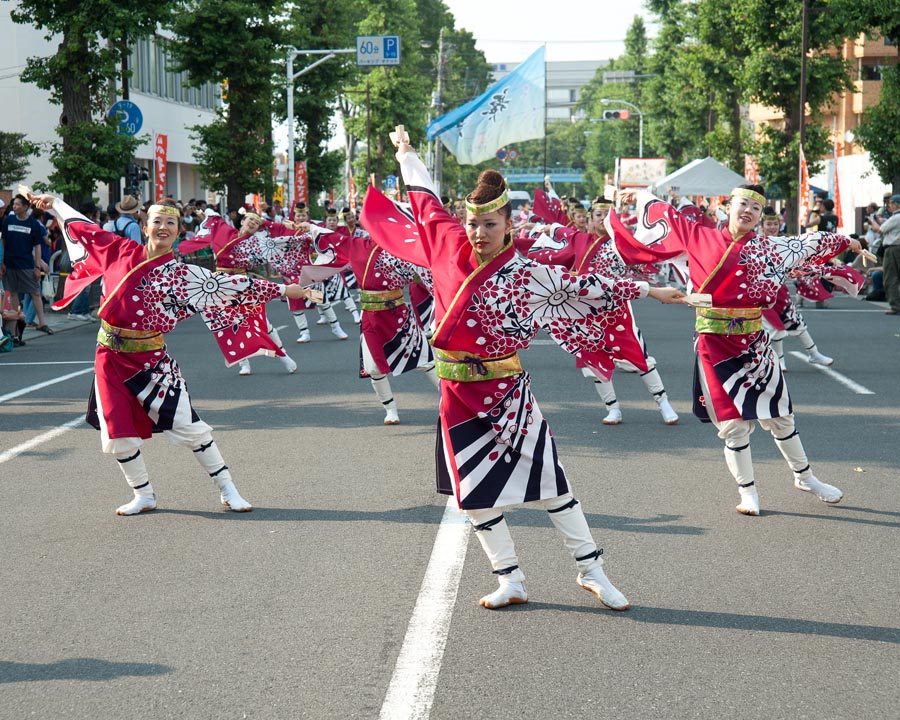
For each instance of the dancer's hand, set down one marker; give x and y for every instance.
(42, 202)
(667, 295)
(626, 197)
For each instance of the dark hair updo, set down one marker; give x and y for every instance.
(490, 186)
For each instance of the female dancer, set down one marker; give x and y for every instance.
(593, 252)
(392, 341)
(494, 448)
(138, 387)
(234, 255)
(737, 378)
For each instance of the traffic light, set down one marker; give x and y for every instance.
(615, 114)
(134, 175)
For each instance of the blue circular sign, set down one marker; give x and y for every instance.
(128, 116)
(390, 182)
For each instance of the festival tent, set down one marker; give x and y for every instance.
(705, 177)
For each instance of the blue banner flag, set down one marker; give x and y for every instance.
(510, 110)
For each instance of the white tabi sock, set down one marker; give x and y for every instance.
(209, 457)
(740, 462)
(288, 363)
(568, 517)
(792, 449)
(813, 354)
(135, 471)
(654, 384)
(244, 366)
(493, 534)
(607, 393)
(382, 387)
(302, 326)
(323, 313)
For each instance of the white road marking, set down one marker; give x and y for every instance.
(411, 690)
(39, 386)
(52, 362)
(35, 441)
(843, 380)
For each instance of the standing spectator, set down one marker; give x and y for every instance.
(23, 237)
(828, 220)
(127, 224)
(890, 241)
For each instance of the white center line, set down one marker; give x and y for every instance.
(411, 690)
(35, 441)
(845, 381)
(32, 388)
(51, 362)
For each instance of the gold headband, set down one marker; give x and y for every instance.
(489, 206)
(163, 210)
(748, 193)
(251, 214)
(601, 206)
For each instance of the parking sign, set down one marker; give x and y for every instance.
(378, 50)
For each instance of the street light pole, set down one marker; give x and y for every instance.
(291, 76)
(608, 101)
(439, 109)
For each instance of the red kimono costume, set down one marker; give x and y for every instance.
(494, 447)
(586, 253)
(138, 386)
(743, 275)
(393, 338)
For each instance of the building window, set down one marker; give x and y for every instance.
(871, 72)
(151, 75)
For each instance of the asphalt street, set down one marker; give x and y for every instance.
(300, 608)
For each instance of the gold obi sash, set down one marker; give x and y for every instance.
(231, 271)
(728, 321)
(467, 367)
(129, 341)
(380, 299)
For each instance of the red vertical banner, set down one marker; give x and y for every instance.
(257, 202)
(751, 170)
(837, 190)
(301, 189)
(803, 194)
(353, 194)
(160, 159)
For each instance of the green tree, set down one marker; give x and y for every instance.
(397, 95)
(237, 41)
(93, 39)
(604, 141)
(327, 24)
(15, 152)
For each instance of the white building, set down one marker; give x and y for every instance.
(167, 107)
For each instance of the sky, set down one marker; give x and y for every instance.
(510, 30)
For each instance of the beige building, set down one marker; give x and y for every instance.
(859, 182)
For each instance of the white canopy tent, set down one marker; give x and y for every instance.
(705, 177)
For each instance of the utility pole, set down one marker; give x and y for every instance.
(291, 76)
(439, 110)
(804, 42)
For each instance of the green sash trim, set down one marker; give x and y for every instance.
(728, 321)
(466, 367)
(129, 341)
(380, 299)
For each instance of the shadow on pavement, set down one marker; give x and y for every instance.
(730, 621)
(76, 669)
